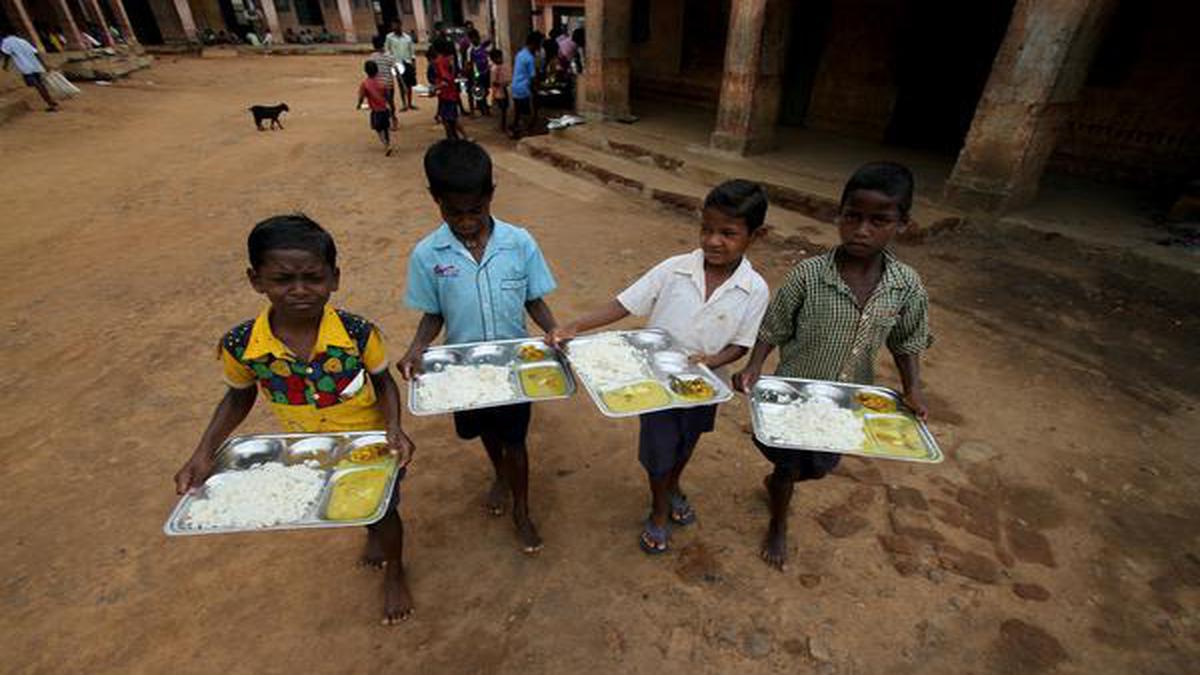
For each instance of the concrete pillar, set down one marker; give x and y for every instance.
(92, 7)
(70, 28)
(118, 8)
(346, 14)
(751, 88)
(272, 18)
(422, 20)
(186, 21)
(16, 10)
(604, 88)
(1035, 80)
(514, 21)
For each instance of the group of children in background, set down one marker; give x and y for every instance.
(489, 81)
(476, 277)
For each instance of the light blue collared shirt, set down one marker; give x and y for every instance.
(479, 301)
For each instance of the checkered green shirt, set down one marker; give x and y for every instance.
(821, 333)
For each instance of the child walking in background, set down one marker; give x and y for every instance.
(478, 276)
(372, 91)
(711, 301)
(832, 315)
(385, 66)
(287, 352)
(501, 77)
(449, 98)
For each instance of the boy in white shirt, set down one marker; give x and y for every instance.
(711, 302)
(29, 63)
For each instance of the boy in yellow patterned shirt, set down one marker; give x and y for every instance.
(320, 369)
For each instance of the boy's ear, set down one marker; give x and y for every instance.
(255, 281)
(337, 278)
(761, 232)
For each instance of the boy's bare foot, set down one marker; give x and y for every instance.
(397, 601)
(496, 497)
(531, 541)
(774, 550)
(372, 555)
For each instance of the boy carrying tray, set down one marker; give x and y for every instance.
(711, 301)
(477, 276)
(832, 315)
(320, 369)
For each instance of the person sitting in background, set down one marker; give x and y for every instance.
(289, 36)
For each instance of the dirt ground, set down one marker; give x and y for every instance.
(1062, 532)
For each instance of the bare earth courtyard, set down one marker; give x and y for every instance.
(1061, 534)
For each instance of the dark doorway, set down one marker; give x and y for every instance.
(308, 13)
(810, 24)
(945, 55)
(145, 25)
(388, 12)
(452, 12)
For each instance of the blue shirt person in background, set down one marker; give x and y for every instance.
(477, 276)
(524, 72)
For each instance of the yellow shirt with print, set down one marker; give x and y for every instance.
(328, 391)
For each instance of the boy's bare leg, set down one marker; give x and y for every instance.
(499, 491)
(51, 104)
(779, 490)
(660, 506)
(397, 600)
(516, 464)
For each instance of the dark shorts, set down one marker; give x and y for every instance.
(509, 423)
(666, 438)
(523, 106)
(409, 78)
(381, 120)
(448, 110)
(484, 82)
(799, 464)
(32, 79)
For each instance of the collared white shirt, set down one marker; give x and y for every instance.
(672, 294)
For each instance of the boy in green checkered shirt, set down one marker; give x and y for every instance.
(832, 315)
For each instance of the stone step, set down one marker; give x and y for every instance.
(810, 194)
(643, 178)
(105, 67)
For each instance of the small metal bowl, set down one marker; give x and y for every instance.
(492, 354)
(826, 391)
(670, 362)
(319, 449)
(247, 453)
(774, 391)
(436, 360)
(547, 352)
(648, 339)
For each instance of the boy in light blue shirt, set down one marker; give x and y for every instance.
(524, 71)
(477, 276)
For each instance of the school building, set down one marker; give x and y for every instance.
(1004, 88)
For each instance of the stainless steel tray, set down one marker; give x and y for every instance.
(328, 453)
(506, 353)
(664, 360)
(786, 390)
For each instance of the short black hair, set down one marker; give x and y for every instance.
(371, 68)
(534, 39)
(456, 166)
(377, 42)
(294, 231)
(495, 55)
(891, 178)
(740, 198)
(473, 34)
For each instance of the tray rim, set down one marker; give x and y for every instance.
(936, 454)
(557, 357)
(171, 526)
(724, 394)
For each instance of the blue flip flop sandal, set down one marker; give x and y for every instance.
(682, 512)
(654, 539)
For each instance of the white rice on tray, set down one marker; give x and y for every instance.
(608, 361)
(817, 424)
(465, 387)
(260, 496)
